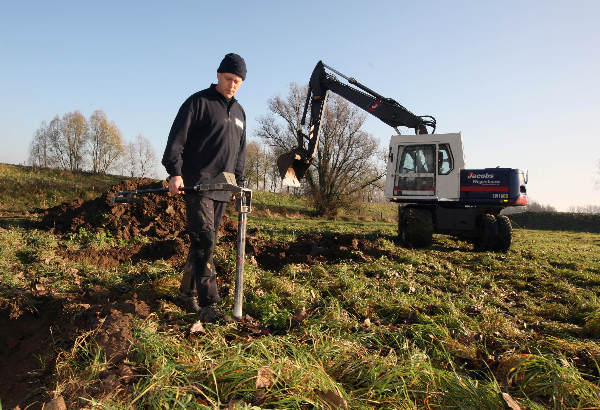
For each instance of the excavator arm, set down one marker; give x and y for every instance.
(294, 164)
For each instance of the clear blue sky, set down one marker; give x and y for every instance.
(519, 79)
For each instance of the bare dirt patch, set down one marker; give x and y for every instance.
(158, 217)
(171, 250)
(29, 344)
(24, 346)
(312, 248)
(162, 218)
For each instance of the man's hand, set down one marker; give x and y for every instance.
(175, 182)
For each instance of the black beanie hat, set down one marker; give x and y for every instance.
(234, 64)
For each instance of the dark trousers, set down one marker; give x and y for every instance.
(203, 219)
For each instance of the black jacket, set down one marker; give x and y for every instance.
(207, 137)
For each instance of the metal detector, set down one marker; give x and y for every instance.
(243, 200)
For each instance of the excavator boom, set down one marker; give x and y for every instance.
(294, 164)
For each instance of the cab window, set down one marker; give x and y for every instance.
(415, 174)
(445, 160)
(418, 159)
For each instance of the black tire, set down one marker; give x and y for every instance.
(488, 233)
(401, 226)
(415, 227)
(504, 237)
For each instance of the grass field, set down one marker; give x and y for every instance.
(340, 317)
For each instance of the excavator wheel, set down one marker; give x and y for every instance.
(401, 227)
(415, 227)
(488, 233)
(504, 237)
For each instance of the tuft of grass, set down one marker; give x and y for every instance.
(84, 238)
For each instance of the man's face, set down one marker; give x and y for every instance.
(228, 84)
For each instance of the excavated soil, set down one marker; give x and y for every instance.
(29, 341)
(161, 217)
(171, 250)
(29, 344)
(311, 249)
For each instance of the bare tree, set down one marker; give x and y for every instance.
(347, 157)
(74, 143)
(60, 143)
(261, 168)
(252, 171)
(146, 157)
(271, 129)
(139, 159)
(71, 141)
(535, 206)
(585, 209)
(272, 171)
(128, 163)
(40, 152)
(105, 141)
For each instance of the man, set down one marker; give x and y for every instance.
(208, 137)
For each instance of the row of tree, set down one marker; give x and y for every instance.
(535, 206)
(585, 209)
(261, 169)
(75, 143)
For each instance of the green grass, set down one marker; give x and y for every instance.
(287, 229)
(555, 221)
(292, 206)
(444, 327)
(27, 188)
(415, 328)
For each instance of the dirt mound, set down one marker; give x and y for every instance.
(114, 336)
(160, 216)
(29, 344)
(171, 250)
(311, 248)
(23, 344)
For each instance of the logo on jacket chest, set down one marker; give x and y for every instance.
(239, 123)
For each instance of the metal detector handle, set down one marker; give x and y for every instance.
(243, 206)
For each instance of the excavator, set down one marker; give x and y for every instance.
(426, 172)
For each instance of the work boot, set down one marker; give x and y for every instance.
(212, 314)
(190, 302)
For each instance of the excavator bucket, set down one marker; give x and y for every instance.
(292, 168)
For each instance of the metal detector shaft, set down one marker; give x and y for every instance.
(242, 205)
(131, 196)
